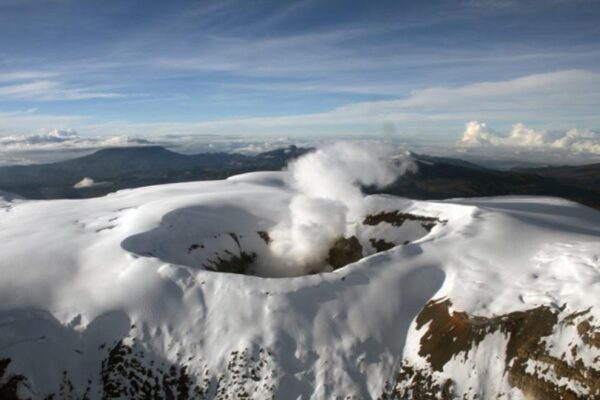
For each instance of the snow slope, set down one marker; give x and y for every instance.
(111, 297)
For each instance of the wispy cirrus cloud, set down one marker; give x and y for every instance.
(48, 90)
(216, 60)
(25, 75)
(568, 95)
(536, 91)
(558, 100)
(30, 120)
(353, 59)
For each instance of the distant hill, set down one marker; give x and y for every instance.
(130, 167)
(442, 178)
(582, 174)
(437, 177)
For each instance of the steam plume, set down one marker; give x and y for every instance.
(329, 201)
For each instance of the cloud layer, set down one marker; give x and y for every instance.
(64, 139)
(562, 99)
(477, 134)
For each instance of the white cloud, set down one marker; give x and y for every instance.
(578, 141)
(563, 99)
(23, 121)
(477, 134)
(54, 136)
(569, 97)
(84, 183)
(15, 76)
(546, 89)
(47, 90)
(62, 139)
(586, 146)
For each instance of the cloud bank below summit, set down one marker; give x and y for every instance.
(68, 138)
(478, 134)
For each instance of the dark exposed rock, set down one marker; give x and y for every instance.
(240, 263)
(451, 333)
(397, 218)
(130, 372)
(264, 235)
(195, 246)
(9, 384)
(413, 383)
(344, 251)
(235, 264)
(235, 238)
(381, 245)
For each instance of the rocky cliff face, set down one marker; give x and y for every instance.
(526, 354)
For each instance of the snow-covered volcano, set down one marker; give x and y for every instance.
(130, 296)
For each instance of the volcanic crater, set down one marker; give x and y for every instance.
(182, 238)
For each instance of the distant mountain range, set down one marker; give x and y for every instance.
(437, 177)
(129, 167)
(442, 178)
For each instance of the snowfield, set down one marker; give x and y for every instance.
(121, 297)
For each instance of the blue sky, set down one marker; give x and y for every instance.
(419, 69)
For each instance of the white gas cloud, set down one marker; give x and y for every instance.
(477, 134)
(329, 201)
